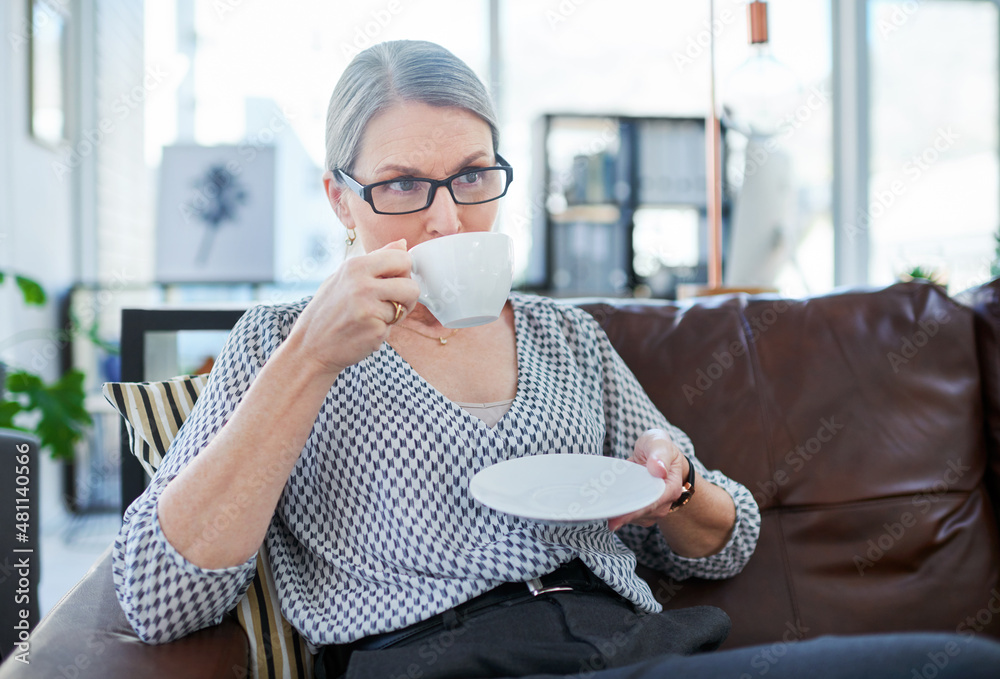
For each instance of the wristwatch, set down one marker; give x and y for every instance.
(688, 491)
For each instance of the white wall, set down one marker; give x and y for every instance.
(36, 226)
(123, 231)
(36, 239)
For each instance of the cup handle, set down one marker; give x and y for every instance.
(423, 298)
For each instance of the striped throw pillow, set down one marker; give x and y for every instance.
(153, 412)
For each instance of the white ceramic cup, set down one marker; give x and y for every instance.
(464, 278)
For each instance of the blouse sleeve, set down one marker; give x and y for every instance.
(629, 413)
(165, 596)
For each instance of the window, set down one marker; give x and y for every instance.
(648, 58)
(933, 184)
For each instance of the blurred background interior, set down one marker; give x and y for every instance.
(170, 152)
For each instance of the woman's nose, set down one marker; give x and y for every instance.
(442, 215)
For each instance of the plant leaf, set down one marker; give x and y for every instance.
(21, 382)
(920, 272)
(64, 418)
(32, 291)
(8, 409)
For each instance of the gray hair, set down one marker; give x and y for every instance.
(391, 72)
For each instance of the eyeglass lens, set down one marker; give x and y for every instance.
(405, 195)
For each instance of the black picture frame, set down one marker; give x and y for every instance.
(136, 322)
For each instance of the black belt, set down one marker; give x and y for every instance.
(574, 576)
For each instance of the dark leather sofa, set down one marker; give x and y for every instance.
(867, 424)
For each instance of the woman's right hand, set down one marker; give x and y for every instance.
(352, 312)
(243, 470)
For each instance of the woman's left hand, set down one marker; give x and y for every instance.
(656, 451)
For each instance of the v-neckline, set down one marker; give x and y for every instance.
(519, 348)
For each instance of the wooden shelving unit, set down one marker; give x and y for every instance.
(593, 175)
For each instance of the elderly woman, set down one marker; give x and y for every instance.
(340, 434)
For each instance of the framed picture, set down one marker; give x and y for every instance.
(216, 214)
(47, 66)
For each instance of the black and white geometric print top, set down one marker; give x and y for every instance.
(376, 528)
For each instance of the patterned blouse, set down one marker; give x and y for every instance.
(376, 528)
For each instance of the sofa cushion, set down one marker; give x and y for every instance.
(856, 419)
(153, 413)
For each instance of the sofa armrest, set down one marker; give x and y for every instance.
(984, 301)
(87, 635)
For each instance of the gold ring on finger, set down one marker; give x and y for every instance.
(399, 313)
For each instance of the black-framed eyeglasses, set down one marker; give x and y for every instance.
(404, 195)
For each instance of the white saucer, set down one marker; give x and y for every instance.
(566, 488)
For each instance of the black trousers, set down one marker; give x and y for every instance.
(592, 634)
(557, 633)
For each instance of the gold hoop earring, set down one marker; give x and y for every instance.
(352, 236)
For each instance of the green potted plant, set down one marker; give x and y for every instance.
(52, 411)
(923, 273)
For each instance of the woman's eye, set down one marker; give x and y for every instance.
(469, 178)
(402, 185)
